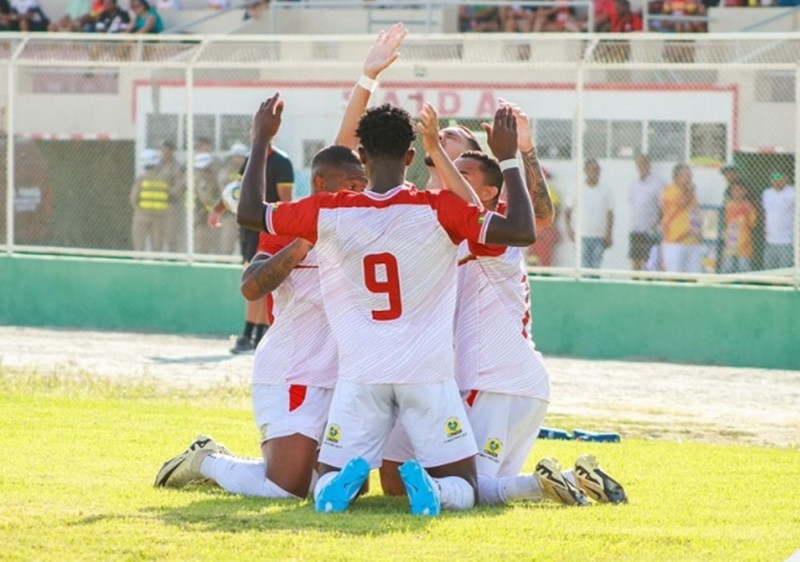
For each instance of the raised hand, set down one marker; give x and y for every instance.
(502, 135)
(428, 127)
(524, 131)
(384, 52)
(267, 119)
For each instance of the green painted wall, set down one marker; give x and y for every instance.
(736, 326)
(120, 295)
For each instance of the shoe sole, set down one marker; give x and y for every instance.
(610, 491)
(344, 487)
(557, 487)
(419, 487)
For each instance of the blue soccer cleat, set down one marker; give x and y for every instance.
(344, 487)
(421, 489)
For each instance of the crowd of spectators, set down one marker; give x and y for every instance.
(612, 16)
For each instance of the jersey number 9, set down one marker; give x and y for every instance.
(390, 286)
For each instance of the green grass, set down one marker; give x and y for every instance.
(81, 454)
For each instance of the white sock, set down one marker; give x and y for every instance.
(507, 489)
(569, 474)
(323, 481)
(455, 493)
(247, 477)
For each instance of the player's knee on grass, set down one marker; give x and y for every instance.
(290, 462)
(391, 482)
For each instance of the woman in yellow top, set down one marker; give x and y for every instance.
(682, 250)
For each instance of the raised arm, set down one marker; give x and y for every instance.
(265, 273)
(428, 128)
(382, 54)
(518, 227)
(267, 121)
(543, 208)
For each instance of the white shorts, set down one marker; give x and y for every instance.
(286, 409)
(362, 416)
(506, 428)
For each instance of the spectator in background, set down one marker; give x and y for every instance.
(72, 20)
(27, 15)
(779, 215)
(218, 4)
(112, 19)
(624, 20)
(740, 220)
(515, 18)
(681, 224)
(597, 216)
(148, 20)
(559, 17)
(153, 195)
(175, 174)
(604, 13)
(231, 170)
(644, 200)
(479, 17)
(206, 193)
(6, 19)
(683, 8)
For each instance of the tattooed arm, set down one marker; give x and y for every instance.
(265, 273)
(543, 208)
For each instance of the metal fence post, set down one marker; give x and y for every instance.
(190, 161)
(577, 223)
(796, 176)
(10, 140)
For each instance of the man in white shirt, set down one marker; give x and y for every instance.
(644, 199)
(779, 216)
(596, 217)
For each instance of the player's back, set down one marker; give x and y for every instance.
(494, 350)
(299, 347)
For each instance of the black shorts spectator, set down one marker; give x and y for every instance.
(248, 243)
(639, 245)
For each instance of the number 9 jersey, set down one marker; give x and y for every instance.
(388, 272)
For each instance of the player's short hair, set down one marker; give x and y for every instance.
(334, 155)
(489, 166)
(385, 131)
(589, 162)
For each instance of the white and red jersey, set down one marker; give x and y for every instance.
(298, 348)
(494, 349)
(387, 265)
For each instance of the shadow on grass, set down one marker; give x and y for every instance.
(370, 515)
(191, 360)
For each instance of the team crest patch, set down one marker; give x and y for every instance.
(493, 447)
(334, 433)
(481, 219)
(453, 427)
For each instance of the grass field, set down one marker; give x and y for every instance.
(81, 455)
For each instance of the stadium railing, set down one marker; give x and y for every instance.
(79, 110)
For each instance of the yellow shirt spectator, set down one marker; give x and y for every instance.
(680, 213)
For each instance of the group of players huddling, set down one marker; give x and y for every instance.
(401, 338)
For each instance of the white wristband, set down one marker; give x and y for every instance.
(509, 164)
(367, 83)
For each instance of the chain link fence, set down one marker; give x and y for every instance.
(668, 157)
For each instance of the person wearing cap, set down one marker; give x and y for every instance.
(231, 170)
(175, 175)
(153, 195)
(779, 215)
(206, 193)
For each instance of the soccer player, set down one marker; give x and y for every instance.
(387, 264)
(295, 365)
(497, 365)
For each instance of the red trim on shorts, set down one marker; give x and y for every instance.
(297, 395)
(473, 394)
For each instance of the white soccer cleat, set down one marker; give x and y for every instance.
(597, 483)
(185, 468)
(555, 486)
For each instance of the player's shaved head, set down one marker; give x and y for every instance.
(386, 131)
(334, 155)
